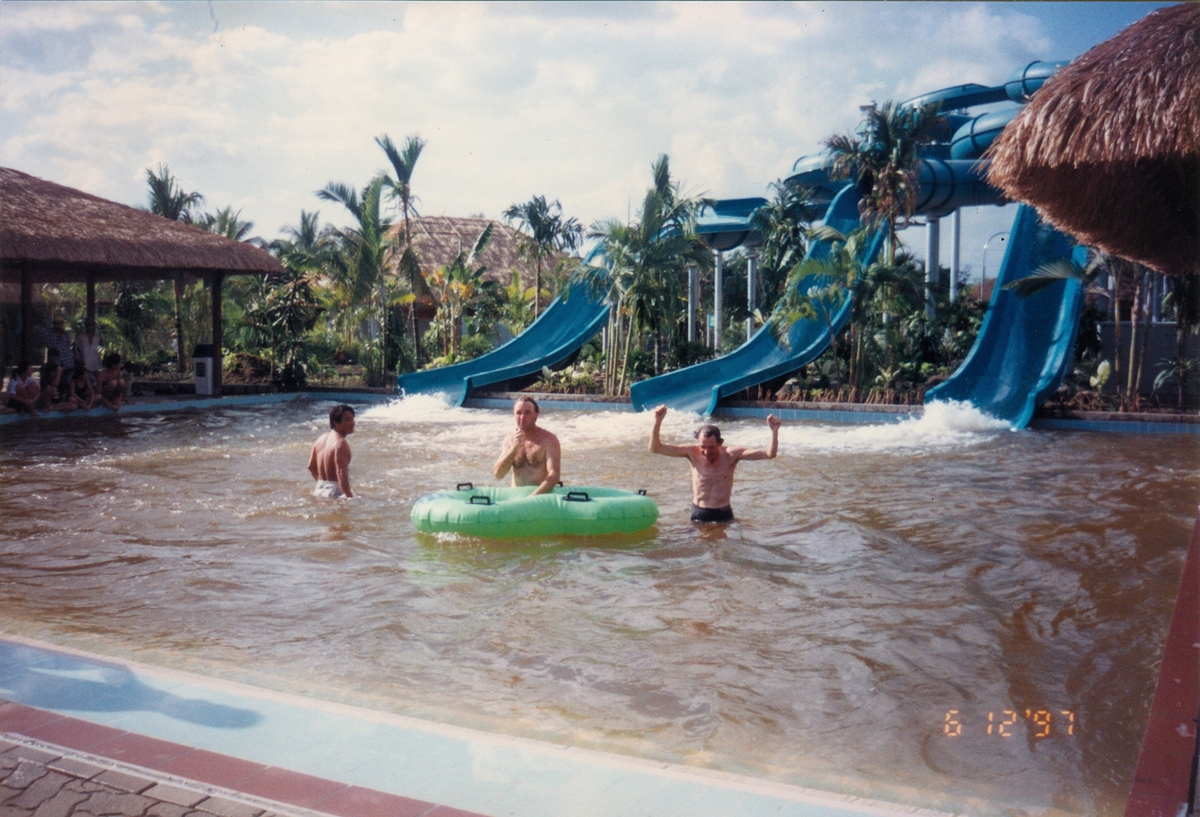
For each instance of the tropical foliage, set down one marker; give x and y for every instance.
(1129, 299)
(883, 158)
(404, 161)
(544, 233)
(169, 200)
(641, 269)
(456, 285)
(349, 295)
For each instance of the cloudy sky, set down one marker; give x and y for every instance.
(259, 104)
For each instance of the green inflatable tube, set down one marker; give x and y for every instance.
(505, 513)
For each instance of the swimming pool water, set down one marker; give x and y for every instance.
(889, 596)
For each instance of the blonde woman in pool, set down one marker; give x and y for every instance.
(712, 464)
(530, 452)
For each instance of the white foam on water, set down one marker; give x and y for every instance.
(943, 425)
(415, 408)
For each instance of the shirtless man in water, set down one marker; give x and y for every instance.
(531, 452)
(329, 462)
(712, 464)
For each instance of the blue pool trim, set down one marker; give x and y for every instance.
(458, 767)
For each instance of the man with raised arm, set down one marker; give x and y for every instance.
(712, 464)
(329, 462)
(530, 452)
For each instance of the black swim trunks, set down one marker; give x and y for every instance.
(712, 514)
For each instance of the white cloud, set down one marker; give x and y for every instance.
(258, 107)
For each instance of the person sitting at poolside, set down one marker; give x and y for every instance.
(329, 462)
(79, 389)
(111, 383)
(23, 390)
(53, 385)
(712, 464)
(532, 453)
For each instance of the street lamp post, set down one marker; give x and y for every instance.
(983, 275)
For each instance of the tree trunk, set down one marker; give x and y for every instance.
(537, 288)
(1147, 309)
(1134, 324)
(1118, 280)
(383, 323)
(1181, 344)
(625, 361)
(180, 354)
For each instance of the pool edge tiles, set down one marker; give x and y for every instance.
(479, 772)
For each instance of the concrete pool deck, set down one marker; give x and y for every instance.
(175, 736)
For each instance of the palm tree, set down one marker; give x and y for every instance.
(818, 286)
(282, 308)
(642, 269)
(169, 200)
(884, 159)
(227, 223)
(404, 162)
(783, 223)
(459, 281)
(364, 247)
(548, 233)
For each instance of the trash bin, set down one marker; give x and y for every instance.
(202, 364)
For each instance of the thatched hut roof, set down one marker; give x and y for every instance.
(1109, 149)
(59, 234)
(438, 240)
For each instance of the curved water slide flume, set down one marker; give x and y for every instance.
(570, 321)
(1025, 339)
(1025, 345)
(764, 357)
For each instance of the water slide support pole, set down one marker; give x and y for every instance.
(693, 300)
(956, 243)
(751, 291)
(931, 263)
(718, 300)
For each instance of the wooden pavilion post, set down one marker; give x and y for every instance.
(91, 296)
(26, 316)
(218, 331)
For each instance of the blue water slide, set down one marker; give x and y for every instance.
(1025, 346)
(726, 223)
(559, 332)
(945, 185)
(763, 358)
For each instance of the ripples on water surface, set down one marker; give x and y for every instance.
(881, 577)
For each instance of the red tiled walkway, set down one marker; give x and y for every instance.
(273, 783)
(1169, 748)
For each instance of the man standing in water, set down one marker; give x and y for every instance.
(712, 466)
(329, 462)
(531, 452)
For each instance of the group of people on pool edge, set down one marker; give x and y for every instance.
(532, 456)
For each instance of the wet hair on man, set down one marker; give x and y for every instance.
(337, 412)
(525, 398)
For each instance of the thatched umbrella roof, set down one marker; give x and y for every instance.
(59, 234)
(438, 240)
(1109, 149)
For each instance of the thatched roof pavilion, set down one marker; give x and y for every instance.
(1109, 149)
(55, 234)
(438, 240)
